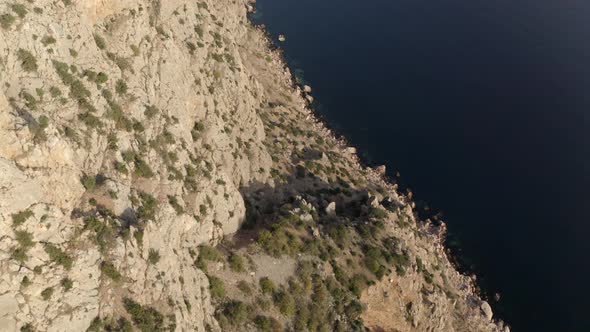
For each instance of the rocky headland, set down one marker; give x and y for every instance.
(159, 171)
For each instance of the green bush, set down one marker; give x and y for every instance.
(25, 282)
(146, 319)
(142, 169)
(19, 254)
(109, 270)
(90, 120)
(378, 213)
(19, 9)
(58, 256)
(267, 324)
(47, 293)
(153, 256)
(120, 167)
(216, 287)
(121, 87)
(279, 242)
(24, 239)
(6, 21)
(43, 121)
(20, 217)
(47, 40)
(373, 261)
(285, 302)
(236, 263)
(30, 100)
(54, 91)
(27, 60)
(89, 182)
(267, 286)
(236, 312)
(197, 130)
(147, 210)
(150, 111)
(357, 284)
(78, 91)
(101, 78)
(67, 284)
(209, 253)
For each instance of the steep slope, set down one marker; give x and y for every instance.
(134, 132)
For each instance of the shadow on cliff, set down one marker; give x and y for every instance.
(329, 202)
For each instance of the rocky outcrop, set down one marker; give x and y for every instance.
(85, 85)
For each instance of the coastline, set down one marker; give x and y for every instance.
(384, 179)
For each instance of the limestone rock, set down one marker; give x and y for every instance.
(381, 170)
(487, 310)
(331, 209)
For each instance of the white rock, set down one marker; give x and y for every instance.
(331, 209)
(486, 309)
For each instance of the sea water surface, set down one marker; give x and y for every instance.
(482, 106)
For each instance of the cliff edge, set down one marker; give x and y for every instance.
(160, 172)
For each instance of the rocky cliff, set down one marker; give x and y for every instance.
(138, 133)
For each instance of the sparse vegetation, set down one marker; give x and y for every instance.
(47, 293)
(47, 40)
(147, 210)
(267, 286)
(285, 302)
(234, 313)
(236, 263)
(153, 256)
(146, 319)
(174, 203)
(142, 169)
(267, 324)
(24, 239)
(25, 282)
(58, 256)
(244, 287)
(89, 182)
(28, 327)
(150, 111)
(66, 284)
(216, 287)
(109, 270)
(6, 21)
(19, 9)
(20, 217)
(121, 87)
(100, 42)
(27, 60)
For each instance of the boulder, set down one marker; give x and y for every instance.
(486, 309)
(381, 170)
(331, 209)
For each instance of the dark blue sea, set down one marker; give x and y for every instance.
(483, 107)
